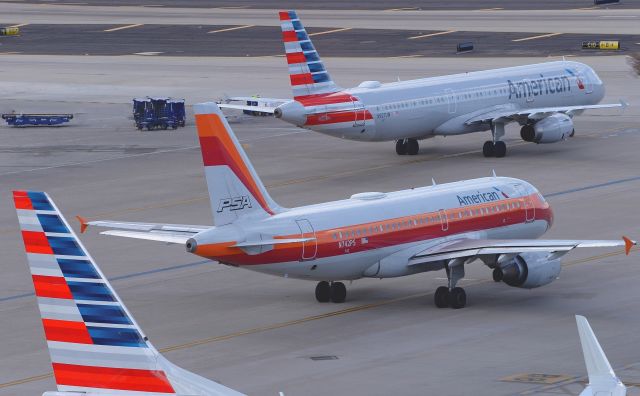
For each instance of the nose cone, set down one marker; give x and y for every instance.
(292, 112)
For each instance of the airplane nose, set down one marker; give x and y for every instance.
(292, 112)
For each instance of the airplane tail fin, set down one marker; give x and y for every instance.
(96, 346)
(306, 70)
(235, 190)
(601, 376)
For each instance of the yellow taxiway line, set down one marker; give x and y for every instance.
(431, 34)
(123, 27)
(537, 37)
(329, 31)
(230, 29)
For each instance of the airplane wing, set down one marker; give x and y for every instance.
(513, 114)
(169, 233)
(473, 248)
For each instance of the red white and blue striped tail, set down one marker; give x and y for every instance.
(95, 344)
(306, 70)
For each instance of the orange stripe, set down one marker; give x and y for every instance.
(66, 331)
(112, 378)
(51, 286)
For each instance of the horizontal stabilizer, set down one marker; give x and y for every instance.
(262, 109)
(160, 236)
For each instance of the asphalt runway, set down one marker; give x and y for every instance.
(225, 40)
(262, 334)
(590, 21)
(402, 5)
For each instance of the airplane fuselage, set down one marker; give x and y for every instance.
(433, 106)
(358, 237)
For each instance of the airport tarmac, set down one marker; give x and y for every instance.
(262, 334)
(543, 21)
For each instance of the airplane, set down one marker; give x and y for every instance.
(371, 234)
(602, 379)
(542, 98)
(96, 346)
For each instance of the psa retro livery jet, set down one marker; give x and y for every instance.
(96, 346)
(542, 98)
(372, 234)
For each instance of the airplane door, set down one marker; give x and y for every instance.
(359, 113)
(309, 248)
(525, 199)
(444, 222)
(451, 100)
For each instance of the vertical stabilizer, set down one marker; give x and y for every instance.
(602, 379)
(96, 346)
(235, 190)
(306, 70)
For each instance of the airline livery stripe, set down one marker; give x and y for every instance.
(36, 242)
(21, 200)
(296, 57)
(289, 36)
(301, 79)
(284, 16)
(337, 117)
(324, 99)
(66, 331)
(51, 286)
(112, 378)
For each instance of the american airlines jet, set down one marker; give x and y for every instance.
(96, 346)
(543, 98)
(371, 234)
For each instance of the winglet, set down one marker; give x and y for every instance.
(628, 244)
(83, 224)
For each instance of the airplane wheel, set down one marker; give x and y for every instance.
(441, 297)
(500, 149)
(457, 298)
(412, 146)
(573, 132)
(401, 147)
(323, 292)
(338, 292)
(487, 149)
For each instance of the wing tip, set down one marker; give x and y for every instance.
(83, 224)
(628, 244)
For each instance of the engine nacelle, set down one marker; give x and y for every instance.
(551, 129)
(528, 270)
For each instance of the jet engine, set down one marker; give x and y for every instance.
(551, 129)
(528, 270)
(293, 112)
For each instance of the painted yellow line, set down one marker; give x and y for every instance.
(307, 319)
(491, 9)
(20, 25)
(403, 9)
(230, 29)
(586, 8)
(123, 27)
(537, 37)
(329, 31)
(432, 34)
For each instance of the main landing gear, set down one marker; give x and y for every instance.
(335, 292)
(495, 147)
(407, 146)
(452, 296)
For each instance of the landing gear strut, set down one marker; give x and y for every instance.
(335, 292)
(495, 147)
(452, 296)
(407, 146)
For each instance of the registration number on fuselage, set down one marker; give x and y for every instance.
(347, 243)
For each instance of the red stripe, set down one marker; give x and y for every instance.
(338, 117)
(289, 36)
(326, 98)
(22, 200)
(284, 16)
(300, 79)
(296, 57)
(36, 242)
(51, 286)
(112, 378)
(66, 331)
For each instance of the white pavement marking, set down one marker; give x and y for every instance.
(537, 37)
(431, 35)
(230, 29)
(123, 27)
(20, 25)
(151, 53)
(329, 31)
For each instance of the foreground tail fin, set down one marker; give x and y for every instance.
(306, 70)
(95, 344)
(235, 190)
(601, 375)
